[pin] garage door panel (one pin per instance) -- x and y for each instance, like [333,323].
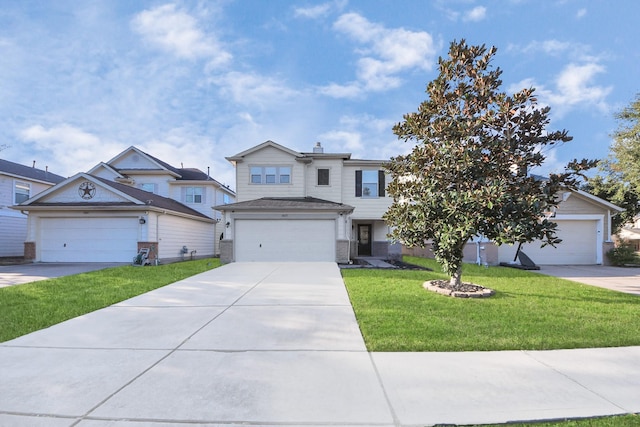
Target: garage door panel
[578,246]
[285,240]
[88,239]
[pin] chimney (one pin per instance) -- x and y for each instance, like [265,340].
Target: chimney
[34,164]
[318,148]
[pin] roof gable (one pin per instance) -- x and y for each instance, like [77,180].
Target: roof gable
[240,156]
[17,170]
[87,191]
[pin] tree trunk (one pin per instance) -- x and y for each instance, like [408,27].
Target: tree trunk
[456,279]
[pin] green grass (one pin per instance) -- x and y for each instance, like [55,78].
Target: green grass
[528,312]
[33,306]
[617,421]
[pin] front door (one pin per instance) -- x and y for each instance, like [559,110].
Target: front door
[364,239]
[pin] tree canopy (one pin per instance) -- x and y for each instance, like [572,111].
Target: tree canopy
[618,179]
[467,174]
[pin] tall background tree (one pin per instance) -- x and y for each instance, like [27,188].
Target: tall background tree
[467,173]
[618,178]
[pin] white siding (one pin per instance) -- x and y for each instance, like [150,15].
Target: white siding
[176,232]
[69,194]
[133,160]
[333,191]
[365,208]
[269,156]
[13,229]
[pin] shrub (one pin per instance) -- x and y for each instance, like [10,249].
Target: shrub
[623,254]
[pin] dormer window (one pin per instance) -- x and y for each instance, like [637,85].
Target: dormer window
[270,175]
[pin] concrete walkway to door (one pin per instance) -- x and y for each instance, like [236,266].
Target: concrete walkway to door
[278,344]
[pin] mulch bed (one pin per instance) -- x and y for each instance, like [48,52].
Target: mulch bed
[467,290]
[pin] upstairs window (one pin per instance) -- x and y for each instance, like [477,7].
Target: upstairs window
[151,188]
[370,183]
[194,195]
[270,175]
[323,176]
[21,192]
[226,199]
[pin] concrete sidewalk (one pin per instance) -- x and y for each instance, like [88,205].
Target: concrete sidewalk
[278,344]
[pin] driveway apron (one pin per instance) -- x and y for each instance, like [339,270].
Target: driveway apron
[243,343]
[278,344]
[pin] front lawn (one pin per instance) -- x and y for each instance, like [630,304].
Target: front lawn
[529,311]
[33,306]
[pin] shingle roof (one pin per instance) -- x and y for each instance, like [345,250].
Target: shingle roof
[29,172]
[147,198]
[286,203]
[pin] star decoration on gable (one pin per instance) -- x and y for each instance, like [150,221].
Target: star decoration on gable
[87,190]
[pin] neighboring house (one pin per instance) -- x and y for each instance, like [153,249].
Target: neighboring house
[584,225]
[631,233]
[17,184]
[311,206]
[131,202]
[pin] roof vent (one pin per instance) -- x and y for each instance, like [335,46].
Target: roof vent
[318,148]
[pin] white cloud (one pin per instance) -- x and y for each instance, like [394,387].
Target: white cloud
[573,88]
[385,54]
[581,13]
[334,90]
[253,89]
[313,12]
[81,149]
[177,32]
[476,14]
[318,11]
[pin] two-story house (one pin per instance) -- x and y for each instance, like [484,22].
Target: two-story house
[305,206]
[17,184]
[119,207]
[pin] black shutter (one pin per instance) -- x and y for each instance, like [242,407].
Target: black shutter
[381,184]
[358,183]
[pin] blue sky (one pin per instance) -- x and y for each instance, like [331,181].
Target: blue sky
[194,81]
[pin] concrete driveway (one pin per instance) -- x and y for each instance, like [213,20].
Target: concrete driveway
[622,279]
[25,273]
[278,344]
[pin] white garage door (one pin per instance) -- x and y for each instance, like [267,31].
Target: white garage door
[285,240]
[88,239]
[579,245]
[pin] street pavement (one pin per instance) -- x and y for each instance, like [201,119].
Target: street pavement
[278,344]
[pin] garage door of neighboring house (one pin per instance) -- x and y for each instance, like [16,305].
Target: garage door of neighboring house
[579,245]
[88,239]
[285,240]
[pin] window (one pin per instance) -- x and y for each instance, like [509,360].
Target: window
[270,175]
[370,183]
[323,176]
[151,188]
[21,191]
[194,195]
[225,198]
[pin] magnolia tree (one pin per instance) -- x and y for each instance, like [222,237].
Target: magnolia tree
[467,173]
[619,178]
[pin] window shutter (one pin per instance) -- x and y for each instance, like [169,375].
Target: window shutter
[358,183]
[381,183]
